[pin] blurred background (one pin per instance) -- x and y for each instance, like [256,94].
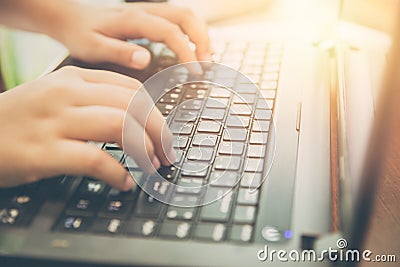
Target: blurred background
[24,56]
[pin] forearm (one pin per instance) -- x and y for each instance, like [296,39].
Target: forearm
[42,16]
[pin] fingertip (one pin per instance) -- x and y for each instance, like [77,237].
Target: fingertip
[141,58]
[129,184]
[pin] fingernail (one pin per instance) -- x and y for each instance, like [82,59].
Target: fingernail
[195,68]
[172,155]
[141,58]
[156,163]
[129,183]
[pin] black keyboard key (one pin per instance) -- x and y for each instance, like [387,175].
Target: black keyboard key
[256,151]
[199,153]
[231,163]
[74,223]
[211,232]
[241,110]
[9,216]
[244,214]
[224,178]
[184,200]
[147,206]
[241,233]
[233,134]
[231,148]
[84,206]
[258,138]
[180,142]
[180,213]
[261,126]
[219,210]
[217,103]
[190,186]
[165,109]
[238,121]
[254,165]
[248,197]
[209,127]
[250,180]
[182,128]
[191,104]
[116,208]
[92,187]
[213,114]
[195,169]
[179,230]
[106,226]
[205,140]
[141,227]
[168,172]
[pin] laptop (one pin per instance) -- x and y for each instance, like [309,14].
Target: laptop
[267,162]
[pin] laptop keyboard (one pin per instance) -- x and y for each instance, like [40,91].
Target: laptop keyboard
[220,138]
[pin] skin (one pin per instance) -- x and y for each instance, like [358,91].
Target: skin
[46,123]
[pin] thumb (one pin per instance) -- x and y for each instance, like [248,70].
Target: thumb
[123,53]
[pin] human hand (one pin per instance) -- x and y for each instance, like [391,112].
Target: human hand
[96,33]
[46,123]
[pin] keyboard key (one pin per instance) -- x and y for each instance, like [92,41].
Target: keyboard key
[268,85]
[167,172]
[225,179]
[210,231]
[260,126]
[258,138]
[141,227]
[244,99]
[92,187]
[194,169]
[205,140]
[247,197]
[263,114]
[265,103]
[217,103]
[106,226]
[202,154]
[157,187]
[234,134]
[268,94]
[256,151]
[130,163]
[248,88]
[184,200]
[179,213]
[74,223]
[219,210]
[231,163]
[180,141]
[165,109]
[238,121]
[250,180]
[189,185]
[244,214]
[147,206]
[112,146]
[270,76]
[241,233]
[179,230]
[182,128]
[191,104]
[84,206]
[213,114]
[116,154]
[9,216]
[241,109]
[115,207]
[209,126]
[231,148]
[253,165]
[220,92]
[186,116]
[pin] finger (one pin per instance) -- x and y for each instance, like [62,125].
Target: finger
[158,29]
[105,124]
[190,24]
[121,52]
[79,158]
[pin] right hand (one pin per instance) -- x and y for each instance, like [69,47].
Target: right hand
[46,123]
